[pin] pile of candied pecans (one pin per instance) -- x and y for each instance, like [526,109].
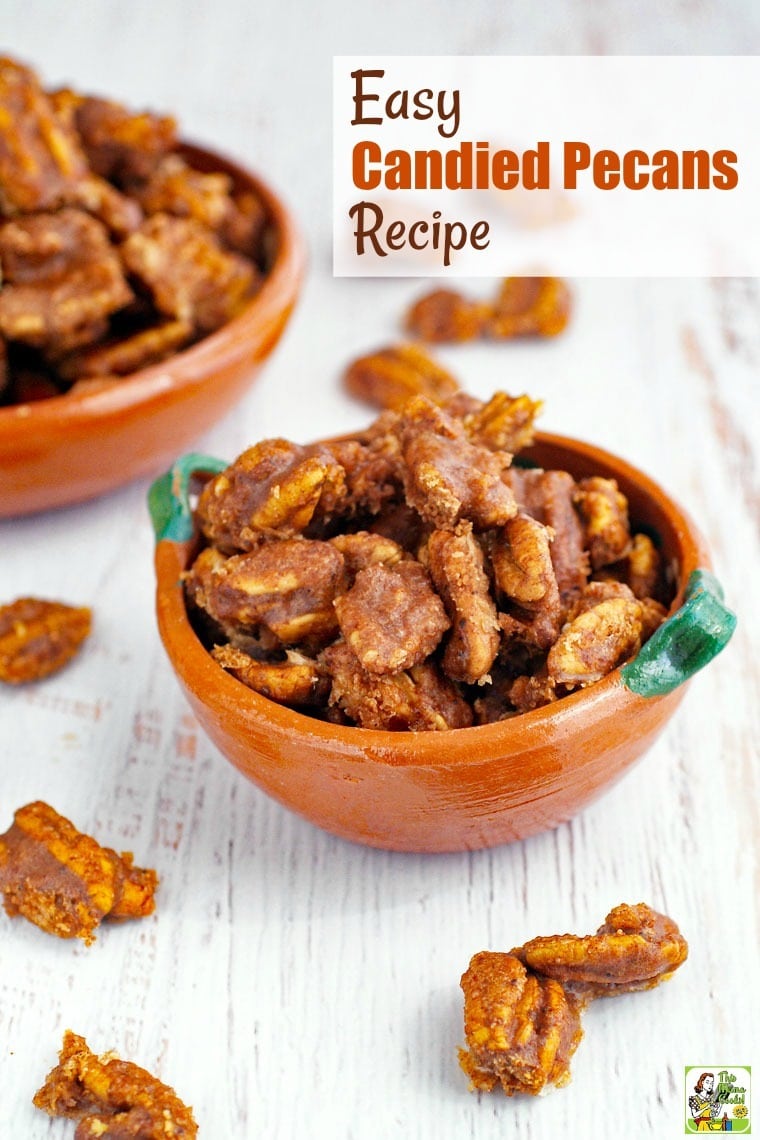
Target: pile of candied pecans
[412,577]
[114,252]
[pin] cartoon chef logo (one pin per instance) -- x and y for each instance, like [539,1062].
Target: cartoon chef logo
[717,1099]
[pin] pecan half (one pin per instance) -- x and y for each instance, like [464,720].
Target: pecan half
[64,881]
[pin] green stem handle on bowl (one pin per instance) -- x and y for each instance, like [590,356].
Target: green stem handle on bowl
[686,642]
[683,644]
[169,497]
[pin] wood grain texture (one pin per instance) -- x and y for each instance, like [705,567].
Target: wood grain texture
[291,983]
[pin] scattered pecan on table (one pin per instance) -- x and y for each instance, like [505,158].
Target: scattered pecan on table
[39,637]
[64,881]
[411,577]
[522,1010]
[524,306]
[111,1099]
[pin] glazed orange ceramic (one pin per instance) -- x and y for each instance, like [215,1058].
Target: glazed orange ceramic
[73,447]
[465,788]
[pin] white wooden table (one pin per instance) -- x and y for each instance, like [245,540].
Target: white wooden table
[292,984]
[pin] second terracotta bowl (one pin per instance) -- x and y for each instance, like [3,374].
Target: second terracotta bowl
[466,788]
[79,445]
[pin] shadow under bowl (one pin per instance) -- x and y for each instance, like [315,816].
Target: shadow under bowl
[474,787]
[74,447]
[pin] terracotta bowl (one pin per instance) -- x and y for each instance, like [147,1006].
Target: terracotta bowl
[76,446]
[465,788]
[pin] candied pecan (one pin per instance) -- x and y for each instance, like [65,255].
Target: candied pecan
[187,272]
[64,881]
[389,377]
[245,225]
[532,691]
[446,477]
[634,949]
[38,637]
[364,477]
[643,568]
[61,279]
[456,565]
[524,576]
[362,549]
[529,306]
[521,560]
[40,157]
[391,617]
[287,586]
[119,214]
[521,1030]
[522,1009]
[272,488]
[175,188]
[445,315]
[596,642]
[120,145]
[549,497]
[604,511]
[298,680]
[112,1099]
[121,356]
[504,423]
[421,699]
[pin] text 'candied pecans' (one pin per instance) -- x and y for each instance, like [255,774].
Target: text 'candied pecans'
[412,578]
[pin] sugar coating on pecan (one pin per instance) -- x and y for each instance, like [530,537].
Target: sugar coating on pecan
[456,564]
[446,477]
[61,277]
[110,1098]
[64,881]
[521,1030]
[390,376]
[522,1009]
[417,700]
[39,637]
[391,617]
[288,587]
[273,488]
[189,275]
[635,948]
[596,642]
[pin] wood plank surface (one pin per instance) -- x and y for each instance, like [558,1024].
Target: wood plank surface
[292,984]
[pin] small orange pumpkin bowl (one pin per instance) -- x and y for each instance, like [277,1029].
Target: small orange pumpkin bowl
[79,445]
[464,788]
